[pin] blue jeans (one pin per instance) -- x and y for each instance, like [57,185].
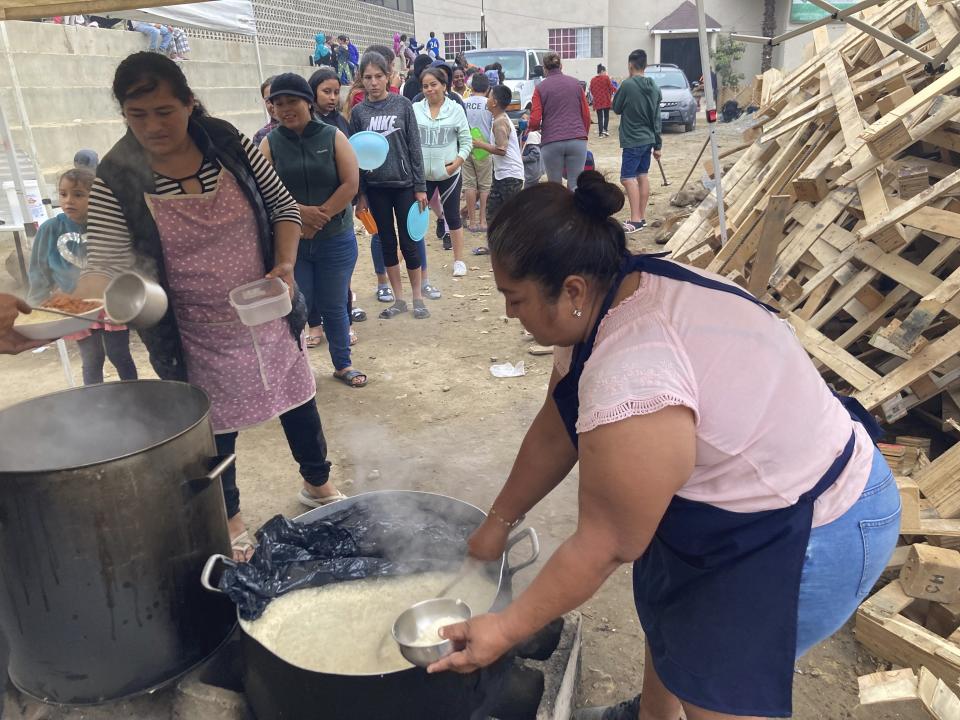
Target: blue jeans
[845,558]
[159,37]
[376,252]
[323,272]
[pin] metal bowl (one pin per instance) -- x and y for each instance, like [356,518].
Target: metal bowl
[418,619]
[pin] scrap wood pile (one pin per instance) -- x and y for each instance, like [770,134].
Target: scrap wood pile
[844,212]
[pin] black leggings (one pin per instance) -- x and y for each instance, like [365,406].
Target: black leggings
[114,344]
[307,443]
[603,119]
[449,197]
[385,204]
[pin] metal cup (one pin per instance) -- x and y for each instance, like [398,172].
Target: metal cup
[131,299]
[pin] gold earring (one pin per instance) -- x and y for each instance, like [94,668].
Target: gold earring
[577,312]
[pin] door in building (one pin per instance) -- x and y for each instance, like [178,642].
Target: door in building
[683,52]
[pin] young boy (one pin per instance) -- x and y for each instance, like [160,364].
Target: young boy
[505,149]
[478,174]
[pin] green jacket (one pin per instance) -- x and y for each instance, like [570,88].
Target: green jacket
[307,166]
[637,102]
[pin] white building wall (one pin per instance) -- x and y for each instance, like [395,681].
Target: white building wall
[627,25]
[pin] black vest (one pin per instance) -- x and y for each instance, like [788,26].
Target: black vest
[126,171]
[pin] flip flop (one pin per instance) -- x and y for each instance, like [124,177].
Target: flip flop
[243,547]
[314,341]
[540,350]
[481,251]
[348,378]
[309,500]
[358,315]
[353,338]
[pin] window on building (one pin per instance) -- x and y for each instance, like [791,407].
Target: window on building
[576,42]
[455,43]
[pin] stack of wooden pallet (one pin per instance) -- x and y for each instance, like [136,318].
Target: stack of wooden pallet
[845,211]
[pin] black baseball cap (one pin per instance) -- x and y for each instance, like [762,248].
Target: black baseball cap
[291,84]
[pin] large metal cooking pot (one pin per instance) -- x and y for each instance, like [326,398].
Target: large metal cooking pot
[110,502]
[278,690]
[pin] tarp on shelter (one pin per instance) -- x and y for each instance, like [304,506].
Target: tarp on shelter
[230,16]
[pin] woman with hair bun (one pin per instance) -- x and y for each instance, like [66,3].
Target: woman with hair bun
[750,499]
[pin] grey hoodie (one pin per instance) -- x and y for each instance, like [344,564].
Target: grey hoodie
[393,117]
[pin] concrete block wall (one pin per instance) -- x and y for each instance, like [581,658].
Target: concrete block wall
[65,74]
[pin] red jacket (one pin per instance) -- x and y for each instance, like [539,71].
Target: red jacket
[601,87]
[560,110]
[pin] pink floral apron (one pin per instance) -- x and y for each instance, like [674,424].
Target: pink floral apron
[209,241]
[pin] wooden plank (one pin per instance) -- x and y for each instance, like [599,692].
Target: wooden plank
[882,629]
[940,482]
[937,698]
[770,238]
[822,348]
[895,690]
[923,362]
[926,312]
[935,220]
[892,124]
[827,213]
[909,506]
[932,573]
[877,227]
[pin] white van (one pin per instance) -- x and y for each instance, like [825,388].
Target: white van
[522,68]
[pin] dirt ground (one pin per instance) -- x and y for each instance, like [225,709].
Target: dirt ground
[434,418]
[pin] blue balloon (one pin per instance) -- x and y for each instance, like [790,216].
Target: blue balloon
[418,221]
[371,149]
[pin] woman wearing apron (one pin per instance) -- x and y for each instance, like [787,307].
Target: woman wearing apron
[187,198]
[752,502]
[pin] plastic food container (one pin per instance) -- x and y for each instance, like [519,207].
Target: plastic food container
[261,301]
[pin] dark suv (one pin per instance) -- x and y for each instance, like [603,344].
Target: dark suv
[677,104]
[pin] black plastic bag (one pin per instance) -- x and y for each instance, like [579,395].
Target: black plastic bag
[360,542]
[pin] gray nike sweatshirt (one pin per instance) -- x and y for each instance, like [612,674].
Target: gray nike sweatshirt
[393,117]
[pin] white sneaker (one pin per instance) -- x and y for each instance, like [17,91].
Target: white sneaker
[459,268]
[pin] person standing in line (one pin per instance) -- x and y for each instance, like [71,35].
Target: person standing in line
[459,85]
[433,46]
[561,113]
[56,260]
[411,88]
[191,197]
[446,142]
[601,90]
[478,173]
[637,102]
[272,122]
[317,165]
[505,152]
[394,187]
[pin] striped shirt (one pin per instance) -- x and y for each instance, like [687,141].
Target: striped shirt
[109,246]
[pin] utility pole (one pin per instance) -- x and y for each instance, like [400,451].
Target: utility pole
[483,26]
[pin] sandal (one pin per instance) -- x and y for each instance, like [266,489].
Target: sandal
[385,294]
[353,337]
[243,547]
[314,341]
[398,308]
[349,376]
[431,292]
[481,251]
[473,228]
[358,315]
[312,501]
[420,311]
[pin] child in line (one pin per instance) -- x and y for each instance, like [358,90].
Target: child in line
[532,161]
[55,263]
[505,150]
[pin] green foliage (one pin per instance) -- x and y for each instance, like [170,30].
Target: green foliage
[727,53]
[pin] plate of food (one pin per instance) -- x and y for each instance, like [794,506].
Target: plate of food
[40,325]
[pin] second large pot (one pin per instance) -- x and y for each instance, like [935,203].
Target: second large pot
[278,690]
[110,502]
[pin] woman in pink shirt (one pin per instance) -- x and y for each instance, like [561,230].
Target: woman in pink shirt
[751,500]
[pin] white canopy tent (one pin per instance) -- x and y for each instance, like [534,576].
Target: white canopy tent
[229,16]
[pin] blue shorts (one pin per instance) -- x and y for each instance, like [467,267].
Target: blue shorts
[846,557]
[635,161]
